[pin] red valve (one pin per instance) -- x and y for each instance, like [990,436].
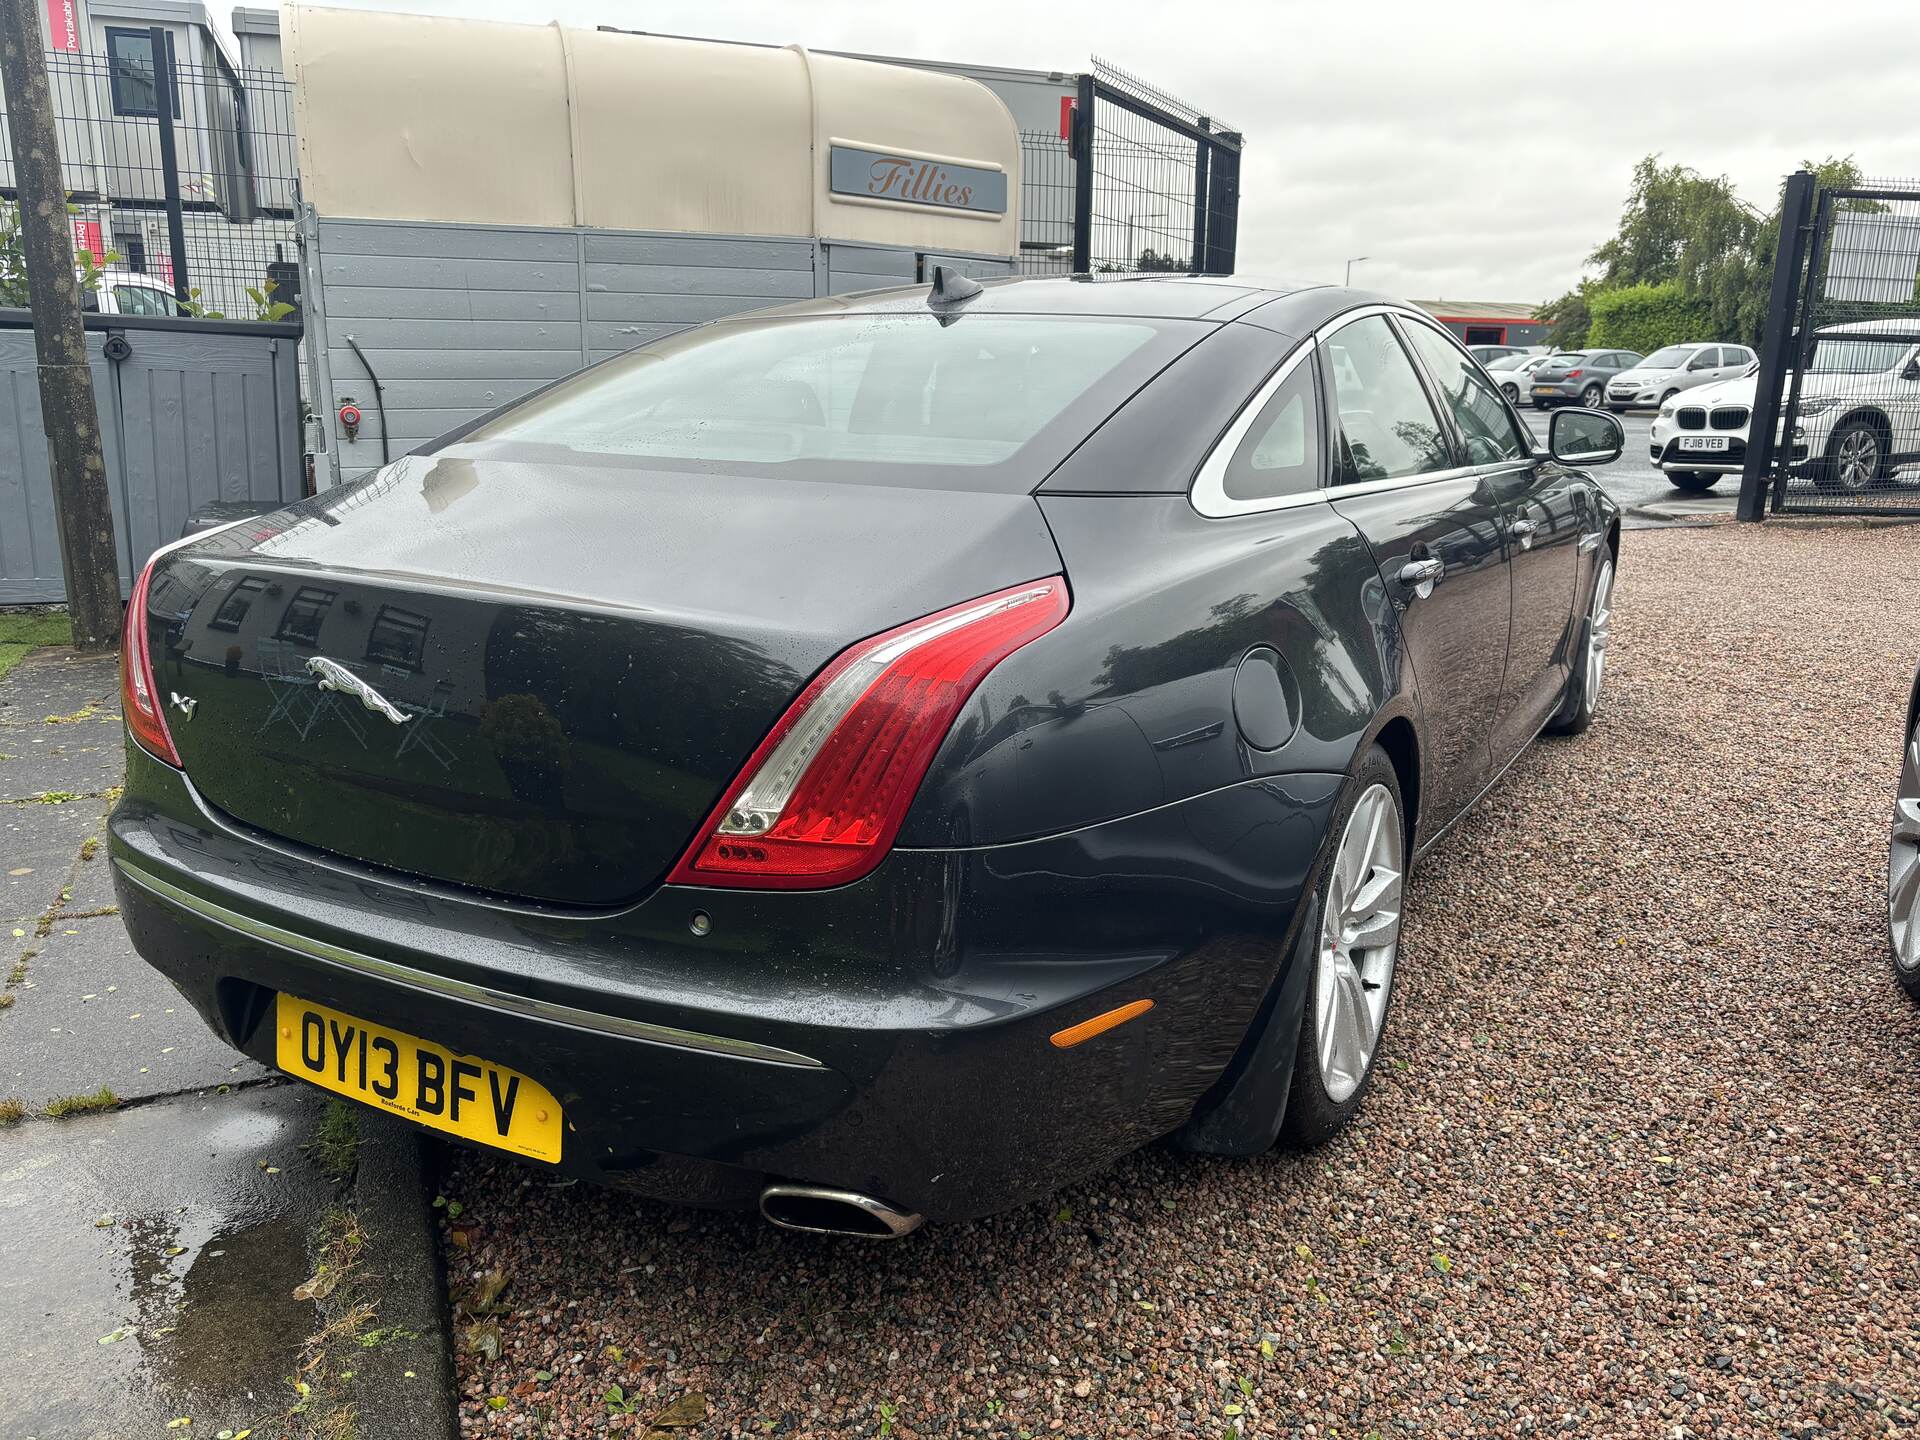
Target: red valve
[350,420]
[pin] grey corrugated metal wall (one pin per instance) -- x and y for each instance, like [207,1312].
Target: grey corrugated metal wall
[197,412]
[457,319]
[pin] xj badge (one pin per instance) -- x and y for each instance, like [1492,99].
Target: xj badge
[332,675]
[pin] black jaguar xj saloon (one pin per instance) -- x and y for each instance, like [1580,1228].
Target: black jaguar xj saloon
[879,759]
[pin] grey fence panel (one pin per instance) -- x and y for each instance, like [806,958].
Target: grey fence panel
[188,417]
[860,267]
[711,250]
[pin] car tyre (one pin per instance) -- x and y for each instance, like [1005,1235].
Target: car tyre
[1694,482]
[1856,458]
[1580,701]
[1593,397]
[1668,396]
[1361,890]
[1903,871]
[1512,392]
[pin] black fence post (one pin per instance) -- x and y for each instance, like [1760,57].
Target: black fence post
[1083,178]
[1223,198]
[1202,150]
[169,159]
[1776,337]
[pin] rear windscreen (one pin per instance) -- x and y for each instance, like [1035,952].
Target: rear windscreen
[843,393]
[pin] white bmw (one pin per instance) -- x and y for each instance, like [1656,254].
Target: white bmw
[1857,425]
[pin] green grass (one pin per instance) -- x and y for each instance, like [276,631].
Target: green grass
[21,632]
[101,1099]
[12,1112]
[336,1142]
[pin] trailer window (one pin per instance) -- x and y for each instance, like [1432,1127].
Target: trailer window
[887,389]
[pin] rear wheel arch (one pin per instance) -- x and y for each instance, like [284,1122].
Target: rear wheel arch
[1402,744]
[1871,414]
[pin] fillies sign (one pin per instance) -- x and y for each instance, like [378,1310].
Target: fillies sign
[913,180]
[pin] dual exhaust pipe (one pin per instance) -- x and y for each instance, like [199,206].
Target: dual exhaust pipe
[820,1210]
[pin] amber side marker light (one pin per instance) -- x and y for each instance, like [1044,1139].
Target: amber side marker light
[1099,1025]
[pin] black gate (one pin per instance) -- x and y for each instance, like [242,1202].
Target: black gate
[1156,183]
[1840,361]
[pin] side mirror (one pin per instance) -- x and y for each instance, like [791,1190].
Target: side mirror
[1585,437]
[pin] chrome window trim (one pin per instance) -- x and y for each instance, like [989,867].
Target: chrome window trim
[1208,494]
[448,988]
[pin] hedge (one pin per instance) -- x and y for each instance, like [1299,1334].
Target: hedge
[1645,317]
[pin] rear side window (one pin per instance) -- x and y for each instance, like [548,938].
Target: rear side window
[1280,454]
[1388,428]
[894,389]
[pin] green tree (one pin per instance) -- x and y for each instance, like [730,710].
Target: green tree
[1676,225]
[1569,317]
[1682,228]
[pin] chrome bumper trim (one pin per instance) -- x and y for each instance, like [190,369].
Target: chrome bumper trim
[462,990]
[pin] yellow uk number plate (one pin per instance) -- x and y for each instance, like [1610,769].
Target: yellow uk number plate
[460,1094]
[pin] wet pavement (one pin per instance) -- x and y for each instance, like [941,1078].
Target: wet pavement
[151,1258]
[148,1254]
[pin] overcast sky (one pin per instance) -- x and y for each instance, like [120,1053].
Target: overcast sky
[1472,150]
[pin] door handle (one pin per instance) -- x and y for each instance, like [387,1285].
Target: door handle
[1420,576]
[1523,531]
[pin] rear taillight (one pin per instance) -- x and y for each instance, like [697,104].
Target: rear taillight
[139,695]
[1575,374]
[821,800]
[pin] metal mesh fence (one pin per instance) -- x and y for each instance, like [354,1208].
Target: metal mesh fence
[1165,180]
[1849,438]
[235,172]
[1046,204]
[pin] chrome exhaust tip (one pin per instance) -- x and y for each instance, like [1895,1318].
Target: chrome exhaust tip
[818,1210]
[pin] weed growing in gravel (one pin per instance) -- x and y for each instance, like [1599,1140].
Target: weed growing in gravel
[12,1111]
[89,847]
[888,1410]
[101,1099]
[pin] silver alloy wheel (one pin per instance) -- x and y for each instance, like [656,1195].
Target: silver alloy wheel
[1594,398]
[1856,464]
[1599,627]
[1903,862]
[1359,940]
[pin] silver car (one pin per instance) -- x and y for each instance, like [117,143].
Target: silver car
[1579,377]
[1668,371]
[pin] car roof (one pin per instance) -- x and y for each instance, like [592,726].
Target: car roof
[1871,327]
[1192,297]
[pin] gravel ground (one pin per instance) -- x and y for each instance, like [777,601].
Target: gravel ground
[1644,1158]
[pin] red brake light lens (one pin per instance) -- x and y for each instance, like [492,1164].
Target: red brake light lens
[139,696]
[1575,374]
[821,799]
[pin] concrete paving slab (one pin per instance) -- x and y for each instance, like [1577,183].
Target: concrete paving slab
[181,1303]
[83,750]
[39,844]
[61,683]
[91,1012]
[90,886]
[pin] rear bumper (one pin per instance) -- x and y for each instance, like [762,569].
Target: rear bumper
[890,1037]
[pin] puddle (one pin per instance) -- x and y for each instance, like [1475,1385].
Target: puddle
[181,1304]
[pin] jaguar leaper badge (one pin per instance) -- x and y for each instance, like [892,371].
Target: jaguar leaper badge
[332,675]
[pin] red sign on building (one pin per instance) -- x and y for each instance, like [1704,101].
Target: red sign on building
[63,26]
[86,236]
